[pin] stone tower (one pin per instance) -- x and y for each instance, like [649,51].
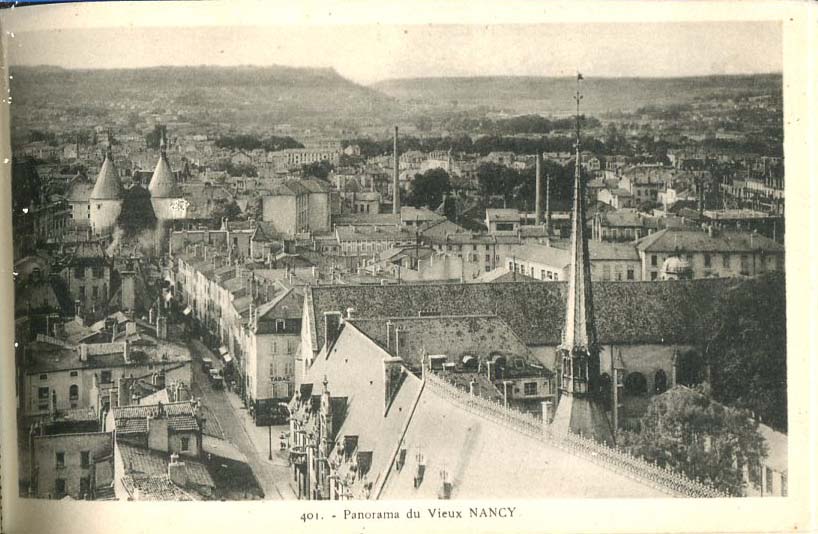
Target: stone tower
[579,410]
[105,202]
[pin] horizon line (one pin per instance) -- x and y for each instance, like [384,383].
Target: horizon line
[384,80]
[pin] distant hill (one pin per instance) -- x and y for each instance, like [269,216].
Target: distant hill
[554,96]
[245,92]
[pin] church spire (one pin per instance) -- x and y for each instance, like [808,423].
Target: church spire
[579,332]
[578,410]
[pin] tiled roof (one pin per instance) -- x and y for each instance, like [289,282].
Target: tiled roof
[626,312]
[141,460]
[134,419]
[155,488]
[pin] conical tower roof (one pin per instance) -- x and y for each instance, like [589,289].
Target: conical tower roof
[163,183]
[107,186]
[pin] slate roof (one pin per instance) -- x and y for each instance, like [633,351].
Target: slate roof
[454,336]
[626,312]
[671,239]
[621,218]
[79,190]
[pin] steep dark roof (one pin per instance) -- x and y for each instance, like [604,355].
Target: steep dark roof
[625,312]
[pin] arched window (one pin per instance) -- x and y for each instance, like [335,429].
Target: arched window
[636,384]
[660,382]
[73,392]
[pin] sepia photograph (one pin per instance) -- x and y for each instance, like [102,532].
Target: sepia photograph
[396,262]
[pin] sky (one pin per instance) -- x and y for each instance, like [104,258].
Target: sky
[367,48]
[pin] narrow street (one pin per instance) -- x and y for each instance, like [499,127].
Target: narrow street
[238,426]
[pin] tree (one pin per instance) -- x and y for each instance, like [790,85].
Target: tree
[686,430]
[318,169]
[428,188]
[494,179]
[224,208]
[153,137]
[26,185]
[747,349]
[137,212]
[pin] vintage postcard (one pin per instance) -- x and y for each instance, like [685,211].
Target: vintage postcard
[366,267]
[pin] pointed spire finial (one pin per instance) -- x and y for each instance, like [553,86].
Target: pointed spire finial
[163,144]
[578,98]
[109,145]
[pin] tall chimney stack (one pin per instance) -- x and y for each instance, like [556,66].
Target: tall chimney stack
[548,205]
[395,172]
[538,189]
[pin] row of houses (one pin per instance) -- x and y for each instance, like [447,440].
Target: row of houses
[252,314]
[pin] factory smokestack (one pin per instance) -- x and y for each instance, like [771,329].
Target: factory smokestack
[538,189]
[548,205]
[395,172]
